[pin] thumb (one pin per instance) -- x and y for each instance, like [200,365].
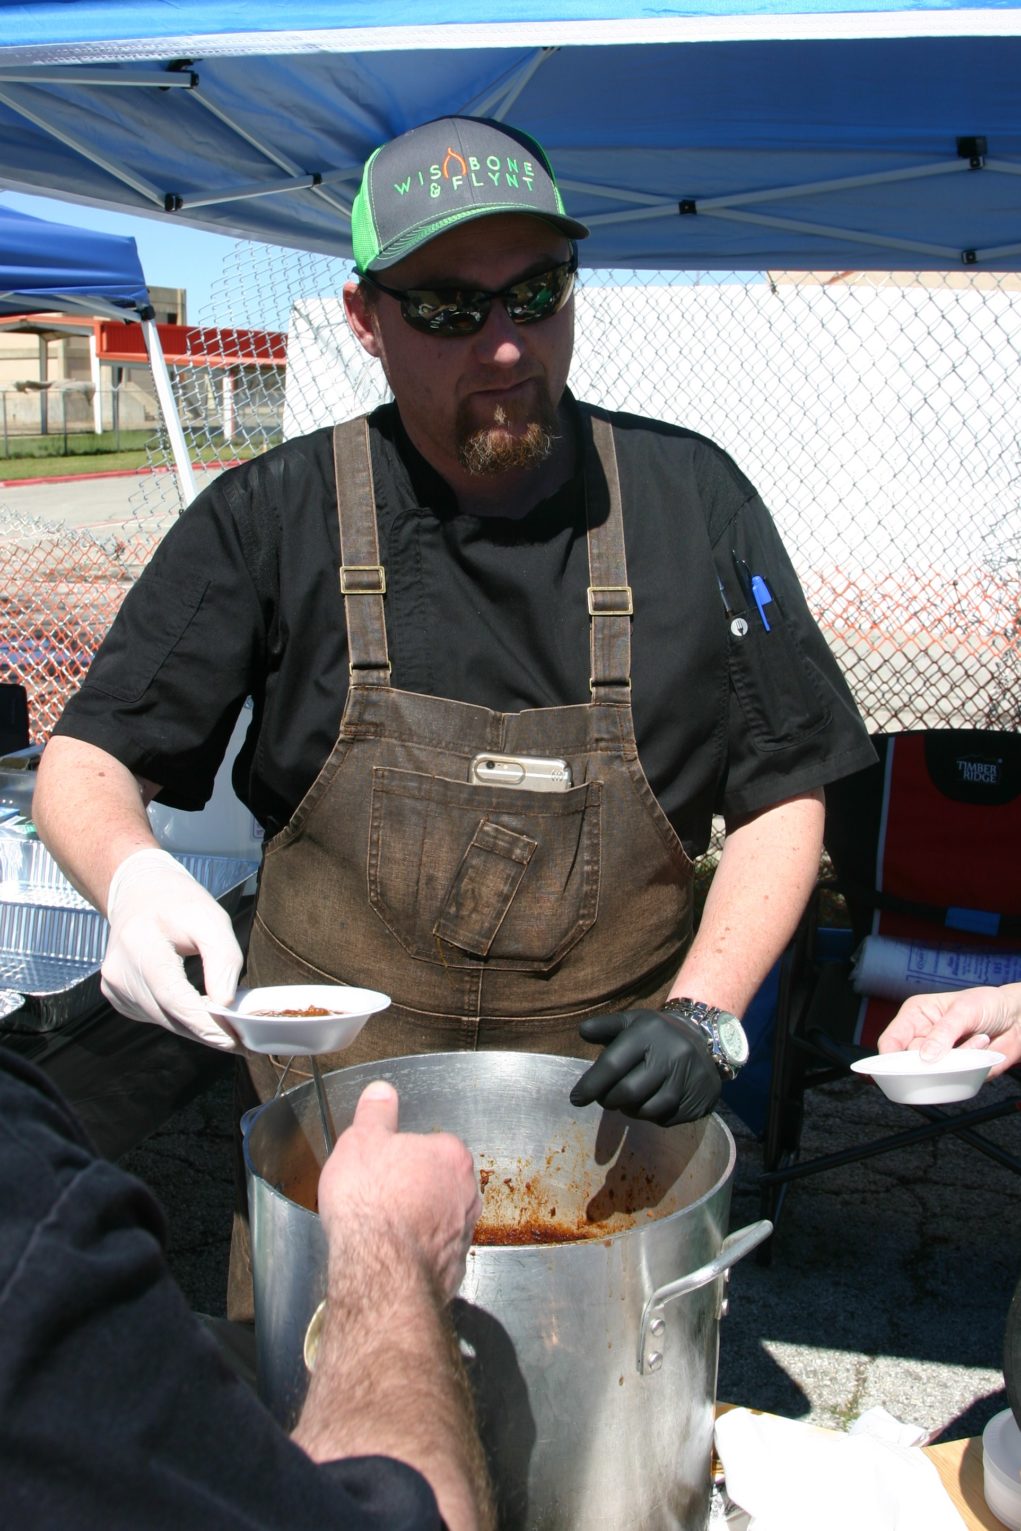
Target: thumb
[936,1045]
[377,1107]
[221,963]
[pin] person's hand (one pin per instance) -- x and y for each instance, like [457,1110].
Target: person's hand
[414,1190]
[934,1023]
[159,915]
[654,1066]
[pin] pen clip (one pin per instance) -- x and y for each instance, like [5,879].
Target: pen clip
[744,575]
[762,598]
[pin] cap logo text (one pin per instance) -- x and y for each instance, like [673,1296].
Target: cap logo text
[495,170]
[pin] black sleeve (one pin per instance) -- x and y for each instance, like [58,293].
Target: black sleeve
[793,724]
[118,1411]
[165,688]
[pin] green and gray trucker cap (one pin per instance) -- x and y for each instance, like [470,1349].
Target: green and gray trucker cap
[444,173]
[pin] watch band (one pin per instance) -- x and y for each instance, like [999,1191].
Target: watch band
[707,1019]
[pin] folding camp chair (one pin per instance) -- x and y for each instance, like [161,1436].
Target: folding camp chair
[13,717]
[925,848]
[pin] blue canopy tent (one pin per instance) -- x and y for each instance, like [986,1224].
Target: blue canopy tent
[721,134]
[46,266]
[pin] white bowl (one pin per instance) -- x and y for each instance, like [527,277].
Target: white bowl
[1001,1468]
[300,1035]
[907,1078]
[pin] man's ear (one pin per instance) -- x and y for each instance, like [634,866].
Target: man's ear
[361,317]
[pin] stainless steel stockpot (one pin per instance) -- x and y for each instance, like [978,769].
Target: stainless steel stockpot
[593,1362]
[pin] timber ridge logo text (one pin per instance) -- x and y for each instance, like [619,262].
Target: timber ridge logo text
[458,170]
[986,772]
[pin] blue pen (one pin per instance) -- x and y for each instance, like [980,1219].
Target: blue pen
[762,598]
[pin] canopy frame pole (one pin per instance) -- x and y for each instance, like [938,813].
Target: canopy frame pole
[707,205]
[164,80]
[839,183]
[825,231]
[273,155]
[145,188]
[500,100]
[175,202]
[165,394]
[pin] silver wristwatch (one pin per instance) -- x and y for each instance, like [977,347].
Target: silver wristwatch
[723,1033]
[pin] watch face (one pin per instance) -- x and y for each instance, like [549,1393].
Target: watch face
[733,1040]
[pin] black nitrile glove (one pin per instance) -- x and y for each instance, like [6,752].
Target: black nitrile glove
[655,1067]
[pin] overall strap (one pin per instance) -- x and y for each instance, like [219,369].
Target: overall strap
[362,576]
[609,595]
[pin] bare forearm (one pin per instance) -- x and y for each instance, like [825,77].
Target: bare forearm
[766,872]
[90,813]
[388,1381]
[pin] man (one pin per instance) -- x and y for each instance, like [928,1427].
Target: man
[510,561]
[118,1410]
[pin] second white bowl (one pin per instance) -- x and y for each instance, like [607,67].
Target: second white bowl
[907,1078]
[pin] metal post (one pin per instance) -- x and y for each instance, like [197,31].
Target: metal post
[44,373]
[115,411]
[63,416]
[96,373]
[3,397]
[165,394]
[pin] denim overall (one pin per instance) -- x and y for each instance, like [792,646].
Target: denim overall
[495,917]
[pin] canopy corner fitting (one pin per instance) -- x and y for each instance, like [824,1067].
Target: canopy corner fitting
[973,147]
[687,207]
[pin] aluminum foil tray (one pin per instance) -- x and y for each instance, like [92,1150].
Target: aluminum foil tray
[9,1002]
[52,940]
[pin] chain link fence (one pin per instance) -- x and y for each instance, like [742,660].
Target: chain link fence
[60,588]
[70,416]
[877,413]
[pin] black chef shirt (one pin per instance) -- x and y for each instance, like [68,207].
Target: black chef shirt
[242,599]
[118,1412]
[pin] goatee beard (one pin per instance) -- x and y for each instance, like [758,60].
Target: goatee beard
[488,449]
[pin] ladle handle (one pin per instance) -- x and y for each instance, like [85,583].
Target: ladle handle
[324,1107]
[734,1247]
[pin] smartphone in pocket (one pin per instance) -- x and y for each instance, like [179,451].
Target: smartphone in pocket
[532,773]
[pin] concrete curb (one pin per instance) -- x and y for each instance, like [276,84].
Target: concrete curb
[75,478]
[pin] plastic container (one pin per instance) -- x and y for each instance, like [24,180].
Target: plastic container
[1001,1468]
[17,781]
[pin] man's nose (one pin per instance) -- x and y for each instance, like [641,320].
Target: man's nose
[500,340]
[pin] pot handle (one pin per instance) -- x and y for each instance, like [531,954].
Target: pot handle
[734,1247]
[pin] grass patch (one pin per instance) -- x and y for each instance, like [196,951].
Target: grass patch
[91,455]
[79,462]
[88,444]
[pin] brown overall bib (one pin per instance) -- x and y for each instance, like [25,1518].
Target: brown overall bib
[494,917]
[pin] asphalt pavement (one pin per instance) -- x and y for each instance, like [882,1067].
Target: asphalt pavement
[102,502]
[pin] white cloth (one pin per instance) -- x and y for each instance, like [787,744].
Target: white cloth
[891,969]
[793,1477]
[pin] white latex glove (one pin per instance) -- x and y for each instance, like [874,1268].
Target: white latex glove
[159,915]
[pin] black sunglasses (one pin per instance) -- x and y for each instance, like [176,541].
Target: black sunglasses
[455,311]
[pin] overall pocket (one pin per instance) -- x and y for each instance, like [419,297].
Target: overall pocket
[459,872]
